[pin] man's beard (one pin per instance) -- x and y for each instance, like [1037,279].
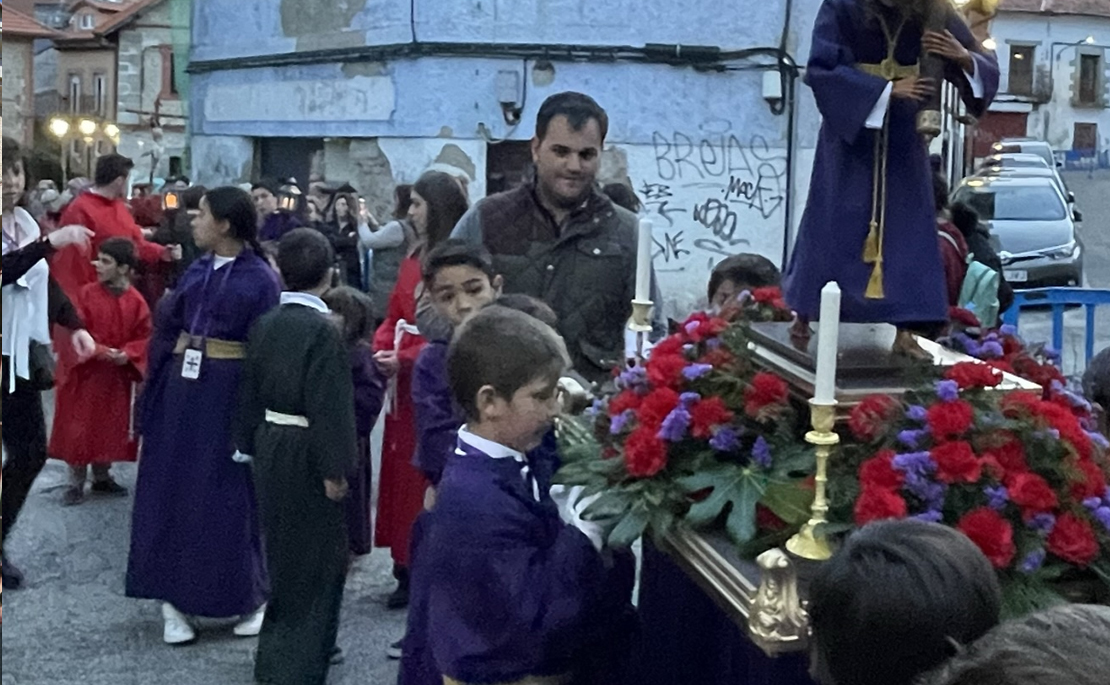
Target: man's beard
[562,201]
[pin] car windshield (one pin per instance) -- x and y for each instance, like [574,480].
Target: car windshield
[1013,203]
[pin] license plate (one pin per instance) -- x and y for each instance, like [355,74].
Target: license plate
[1016,275]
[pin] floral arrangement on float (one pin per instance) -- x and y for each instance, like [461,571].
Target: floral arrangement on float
[697,435]
[701,436]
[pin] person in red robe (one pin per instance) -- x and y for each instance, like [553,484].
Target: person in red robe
[438,203]
[94,424]
[102,210]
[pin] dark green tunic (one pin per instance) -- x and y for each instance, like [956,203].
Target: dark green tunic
[297,365]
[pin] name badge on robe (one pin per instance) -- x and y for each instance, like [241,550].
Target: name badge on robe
[190,366]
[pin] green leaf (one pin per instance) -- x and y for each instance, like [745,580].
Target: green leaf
[790,502]
[795,459]
[610,505]
[740,489]
[741,520]
[631,528]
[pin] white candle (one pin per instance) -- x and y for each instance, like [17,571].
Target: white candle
[828,332]
[643,261]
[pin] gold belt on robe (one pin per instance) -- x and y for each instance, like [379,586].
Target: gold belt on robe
[530,680]
[213,349]
[890,70]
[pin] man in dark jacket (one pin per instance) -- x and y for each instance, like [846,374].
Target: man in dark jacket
[558,238]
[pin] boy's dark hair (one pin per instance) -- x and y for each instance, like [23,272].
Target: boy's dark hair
[110,167]
[455,252]
[1065,645]
[305,258]
[357,310]
[122,250]
[940,192]
[897,600]
[579,109]
[965,218]
[533,307]
[749,270]
[270,184]
[623,196]
[505,349]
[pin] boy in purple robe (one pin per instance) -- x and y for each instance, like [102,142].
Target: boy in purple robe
[869,223]
[517,585]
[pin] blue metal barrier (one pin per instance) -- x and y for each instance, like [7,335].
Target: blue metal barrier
[1059,299]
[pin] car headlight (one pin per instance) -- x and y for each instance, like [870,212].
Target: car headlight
[1061,252]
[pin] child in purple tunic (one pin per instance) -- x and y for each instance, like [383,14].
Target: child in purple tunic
[195,542]
[355,309]
[517,585]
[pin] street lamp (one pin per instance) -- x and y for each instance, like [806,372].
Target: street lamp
[59,127]
[87,127]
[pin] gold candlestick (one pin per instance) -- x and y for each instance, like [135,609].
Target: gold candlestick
[807,544]
[640,324]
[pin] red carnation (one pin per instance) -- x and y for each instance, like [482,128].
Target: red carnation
[629,399]
[870,417]
[671,345]
[1032,493]
[656,406]
[1011,455]
[963,317]
[765,390]
[1073,540]
[1020,404]
[879,472]
[768,295]
[957,463]
[644,454]
[704,327]
[876,504]
[1091,482]
[970,375]
[665,370]
[991,533]
[707,415]
[718,358]
[950,419]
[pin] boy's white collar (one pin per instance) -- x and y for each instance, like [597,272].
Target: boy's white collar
[494,450]
[305,300]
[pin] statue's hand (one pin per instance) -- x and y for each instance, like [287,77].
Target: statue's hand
[913,88]
[945,45]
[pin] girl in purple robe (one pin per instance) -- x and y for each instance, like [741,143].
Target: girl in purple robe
[516,583]
[195,541]
[869,223]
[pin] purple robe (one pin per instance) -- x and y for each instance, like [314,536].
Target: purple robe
[437,417]
[503,589]
[277,225]
[835,225]
[195,532]
[369,397]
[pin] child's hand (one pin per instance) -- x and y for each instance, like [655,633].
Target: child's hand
[336,490]
[430,498]
[388,362]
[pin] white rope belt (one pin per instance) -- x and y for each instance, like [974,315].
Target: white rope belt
[279,419]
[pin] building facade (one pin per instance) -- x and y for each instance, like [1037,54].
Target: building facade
[716,137]
[1055,77]
[20,31]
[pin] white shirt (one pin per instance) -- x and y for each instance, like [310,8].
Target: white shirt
[495,450]
[26,311]
[305,300]
[219,262]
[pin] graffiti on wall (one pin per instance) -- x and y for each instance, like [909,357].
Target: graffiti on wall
[710,195]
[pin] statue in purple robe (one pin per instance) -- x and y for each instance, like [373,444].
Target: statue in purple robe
[870,221]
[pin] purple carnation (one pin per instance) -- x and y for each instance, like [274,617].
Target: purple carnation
[1008,330]
[1103,516]
[675,425]
[997,497]
[692,327]
[919,463]
[713,343]
[726,440]
[917,413]
[948,391]
[633,378]
[1042,523]
[595,408]
[991,350]
[1033,561]
[744,296]
[688,398]
[912,438]
[696,371]
[1099,439]
[761,452]
[1092,503]
[618,422]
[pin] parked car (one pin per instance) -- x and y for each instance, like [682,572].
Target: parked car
[1027,145]
[1015,160]
[1032,227]
[1038,171]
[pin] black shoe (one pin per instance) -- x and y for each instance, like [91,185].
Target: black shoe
[13,577]
[109,488]
[394,652]
[400,597]
[73,496]
[336,658]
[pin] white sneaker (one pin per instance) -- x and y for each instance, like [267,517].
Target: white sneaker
[251,626]
[176,630]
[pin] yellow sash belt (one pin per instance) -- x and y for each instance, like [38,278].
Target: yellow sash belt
[530,680]
[213,349]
